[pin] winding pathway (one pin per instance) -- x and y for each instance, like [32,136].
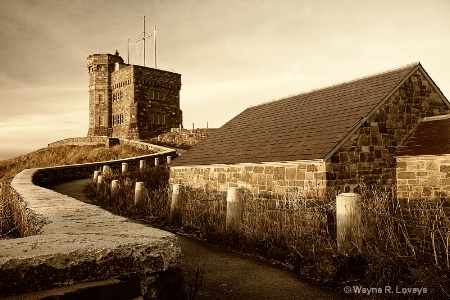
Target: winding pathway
[230,275]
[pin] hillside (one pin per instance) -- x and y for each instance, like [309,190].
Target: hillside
[183,139]
[64,155]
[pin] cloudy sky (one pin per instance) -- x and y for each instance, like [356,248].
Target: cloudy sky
[231,53]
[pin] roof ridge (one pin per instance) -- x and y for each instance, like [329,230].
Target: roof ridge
[414,64]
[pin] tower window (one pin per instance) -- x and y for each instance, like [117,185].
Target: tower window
[100,97]
[101,121]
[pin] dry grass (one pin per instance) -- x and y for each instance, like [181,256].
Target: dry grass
[14,219]
[405,244]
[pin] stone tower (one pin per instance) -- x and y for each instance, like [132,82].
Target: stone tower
[129,101]
[100,67]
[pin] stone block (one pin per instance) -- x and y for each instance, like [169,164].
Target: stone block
[279,173]
[431,166]
[444,168]
[406,175]
[258,169]
[222,178]
[268,169]
[291,173]
[311,168]
[301,175]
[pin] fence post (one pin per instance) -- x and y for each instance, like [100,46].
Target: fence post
[139,194]
[175,207]
[169,159]
[141,164]
[96,173]
[114,186]
[124,169]
[157,162]
[234,209]
[348,223]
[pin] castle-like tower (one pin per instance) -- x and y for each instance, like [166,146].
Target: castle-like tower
[129,101]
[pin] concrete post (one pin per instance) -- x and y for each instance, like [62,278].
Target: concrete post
[234,209]
[175,203]
[124,169]
[141,164]
[139,194]
[169,159]
[96,173]
[114,186]
[106,170]
[157,162]
[348,223]
[99,181]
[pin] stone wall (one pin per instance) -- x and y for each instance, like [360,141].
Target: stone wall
[368,154]
[48,176]
[266,178]
[85,252]
[423,177]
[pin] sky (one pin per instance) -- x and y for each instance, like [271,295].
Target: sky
[231,54]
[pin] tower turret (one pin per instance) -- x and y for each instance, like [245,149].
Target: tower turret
[100,67]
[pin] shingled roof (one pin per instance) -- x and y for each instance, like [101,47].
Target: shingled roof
[431,137]
[307,126]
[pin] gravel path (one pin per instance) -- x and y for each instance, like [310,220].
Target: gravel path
[230,275]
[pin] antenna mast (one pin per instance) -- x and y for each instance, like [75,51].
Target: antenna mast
[154,45]
[144,41]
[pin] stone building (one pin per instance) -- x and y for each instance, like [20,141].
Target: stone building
[323,141]
[130,101]
[423,161]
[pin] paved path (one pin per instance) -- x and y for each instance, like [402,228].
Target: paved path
[230,275]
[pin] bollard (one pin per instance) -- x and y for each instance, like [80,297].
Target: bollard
[96,173]
[157,162]
[169,159]
[139,194]
[141,164]
[99,181]
[348,223]
[234,209]
[175,203]
[106,170]
[114,186]
[124,169]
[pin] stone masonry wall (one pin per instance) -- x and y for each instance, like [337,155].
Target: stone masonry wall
[123,106]
[368,154]
[267,178]
[147,101]
[423,177]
